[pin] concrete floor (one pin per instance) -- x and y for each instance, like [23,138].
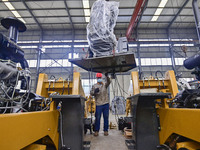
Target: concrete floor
[114,141]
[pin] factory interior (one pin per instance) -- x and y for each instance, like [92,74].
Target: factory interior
[99,75]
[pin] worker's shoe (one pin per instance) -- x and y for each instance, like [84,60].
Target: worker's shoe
[105,133]
[96,133]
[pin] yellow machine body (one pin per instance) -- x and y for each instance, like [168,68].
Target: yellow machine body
[90,106]
[128,107]
[180,121]
[22,130]
[45,87]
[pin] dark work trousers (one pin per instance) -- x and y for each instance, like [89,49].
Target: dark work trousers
[99,110]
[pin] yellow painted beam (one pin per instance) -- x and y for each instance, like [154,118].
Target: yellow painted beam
[76,83]
[184,122]
[40,85]
[135,81]
[170,75]
[191,145]
[35,147]
[22,129]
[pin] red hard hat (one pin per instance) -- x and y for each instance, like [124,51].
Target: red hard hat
[99,75]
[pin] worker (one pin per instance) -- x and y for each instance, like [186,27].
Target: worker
[100,92]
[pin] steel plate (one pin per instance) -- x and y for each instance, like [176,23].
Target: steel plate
[109,64]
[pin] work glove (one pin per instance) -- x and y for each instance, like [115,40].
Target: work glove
[96,90]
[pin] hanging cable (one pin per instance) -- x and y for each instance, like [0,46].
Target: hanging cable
[122,89]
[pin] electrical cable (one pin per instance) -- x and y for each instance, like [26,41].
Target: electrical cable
[122,88]
[15,85]
[63,85]
[116,113]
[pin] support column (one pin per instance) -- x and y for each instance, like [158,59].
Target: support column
[38,60]
[72,54]
[171,52]
[138,54]
[139,59]
[197,17]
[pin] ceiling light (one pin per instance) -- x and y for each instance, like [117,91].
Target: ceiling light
[154,18]
[159,10]
[87,19]
[86,6]
[16,14]
[163,3]
[87,12]
[12,9]
[9,5]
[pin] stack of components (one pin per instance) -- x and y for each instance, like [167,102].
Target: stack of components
[101,38]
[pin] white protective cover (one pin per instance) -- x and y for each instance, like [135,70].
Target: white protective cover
[100,30]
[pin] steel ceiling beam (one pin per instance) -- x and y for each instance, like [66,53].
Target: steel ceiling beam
[78,16]
[23,1]
[139,9]
[177,14]
[132,42]
[117,29]
[80,8]
[171,52]
[197,17]
[85,23]
[39,53]
[68,13]
[73,37]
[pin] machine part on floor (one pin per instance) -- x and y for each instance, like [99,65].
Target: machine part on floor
[86,145]
[107,64]
[73,127]
[124,122]
[112,125]
[130,144]
[88,125]
[100,30]
[174,125]
[118,105]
